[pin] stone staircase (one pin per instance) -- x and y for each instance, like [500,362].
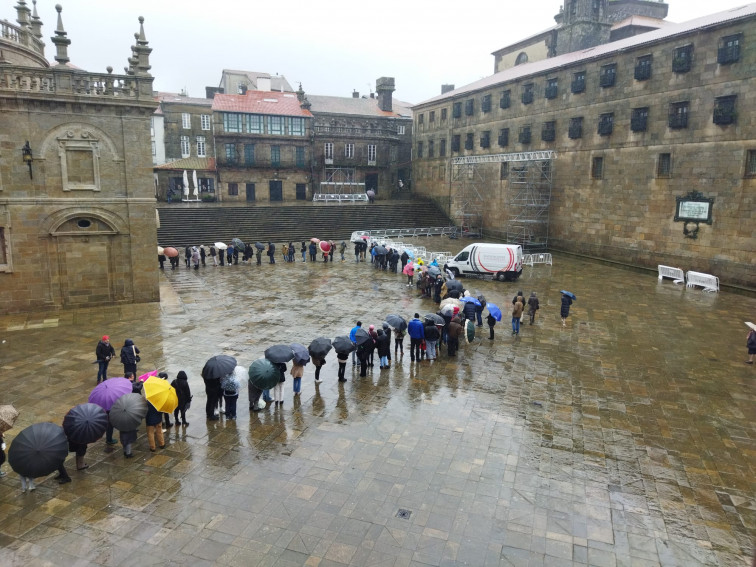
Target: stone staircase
[206,223]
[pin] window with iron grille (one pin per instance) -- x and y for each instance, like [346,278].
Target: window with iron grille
[443,114]
[504,137]
[275,156]
[505,99]
[485,139]
[469,107]
[608,75]
[750,165]
[419,149]
[233,189]
[525,135]
[639,119]
[576,128]
[421,118]
[528,91]
[606,124]
[729,49]
[682,60]
[469,142]
[432,116]
[578,82]
[678,115]
[552,88]
[431,148]
[664,165]
[724,110]
[185,147]
[504,170]
[442,147]
[643,68]
[249,154]
[457,110]
[597,167]
[455,142]
[299,156]
[548,131]
[485,104]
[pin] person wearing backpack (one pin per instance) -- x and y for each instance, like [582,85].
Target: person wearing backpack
[184,395]
[104,353]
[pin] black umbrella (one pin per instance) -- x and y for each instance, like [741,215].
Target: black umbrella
[362,336]
[85,423]
[263,374]
[279,353]
[301,354]
[435,271]
[320,347]
[435,319]
[381,251]
[218,366]
[343,345]
[128,412]
[397,322]
[238,244]
[454,285]
[38,450]
[259,245]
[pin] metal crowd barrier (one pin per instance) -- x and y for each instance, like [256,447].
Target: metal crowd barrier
[532,259]
[340,197]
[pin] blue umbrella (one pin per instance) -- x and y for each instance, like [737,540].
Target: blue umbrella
[569,294]
[469,299]
[410,253]
[494,311]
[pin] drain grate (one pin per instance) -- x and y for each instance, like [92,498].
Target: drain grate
[404,514]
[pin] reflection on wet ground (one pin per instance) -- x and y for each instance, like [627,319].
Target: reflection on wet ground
[625,438]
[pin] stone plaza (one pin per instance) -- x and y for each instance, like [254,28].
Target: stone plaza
[624,438]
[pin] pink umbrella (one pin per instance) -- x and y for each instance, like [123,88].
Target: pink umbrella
[324,246]
[171,252]
[144,377]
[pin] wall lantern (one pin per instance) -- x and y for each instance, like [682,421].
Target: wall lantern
[26,154]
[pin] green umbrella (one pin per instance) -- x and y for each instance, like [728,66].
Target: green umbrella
[263,374]
[469,331]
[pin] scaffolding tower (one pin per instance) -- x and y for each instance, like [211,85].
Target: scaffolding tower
[529,176]
[466,208]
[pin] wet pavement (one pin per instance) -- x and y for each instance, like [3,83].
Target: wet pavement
[624,438]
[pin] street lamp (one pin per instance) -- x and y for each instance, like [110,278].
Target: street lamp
[26,154]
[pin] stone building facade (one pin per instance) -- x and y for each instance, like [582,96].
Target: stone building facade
[640,127]
[263,148]
[582,24]
[361,143]
[77,211]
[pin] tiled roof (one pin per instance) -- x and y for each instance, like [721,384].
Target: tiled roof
[356,106]
[181,99]
[260,102]
[198,163]
[528,69]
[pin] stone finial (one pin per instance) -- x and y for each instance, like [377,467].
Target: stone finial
[305,104]
[60,40]
[300,93]
[36,23]
[22,11]
[142,51]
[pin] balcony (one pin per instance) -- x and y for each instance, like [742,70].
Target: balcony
[347,132]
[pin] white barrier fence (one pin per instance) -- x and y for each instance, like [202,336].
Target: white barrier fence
[707,281]
[676,274]
[532,259]
[340,197]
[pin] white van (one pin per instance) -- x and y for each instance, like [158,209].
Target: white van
[501,261]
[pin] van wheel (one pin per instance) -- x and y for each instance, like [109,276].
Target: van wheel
[455,271]
[501,276]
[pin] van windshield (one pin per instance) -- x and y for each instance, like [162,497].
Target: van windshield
[462,256]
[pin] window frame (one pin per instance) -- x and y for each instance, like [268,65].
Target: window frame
[300,158]
[275,155]
[728,54]
[548,131]
[249,154]
[608,75]
[577,85]
[470,107]
[679,114]
[643,67]
[639,119]
[505,100]
[725,111]
[328,151]
[442,147]
[682,58]
[372,151]
[528,93]
[201,146]
[252,121]
[232,122]
[349,150]
[276,125]
[575,129]
[606,124]
[525,136]
[229,151]
[205,121]
[552,88]
[186,147]
[597,167]
[664,165]
[469,141]
[233,189]
[485,104]
[456,143]
[457,110]
[750,163]
[485,139]
[186,121]
[503,138]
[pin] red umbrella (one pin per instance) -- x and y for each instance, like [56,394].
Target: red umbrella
[324,246]
[170,252]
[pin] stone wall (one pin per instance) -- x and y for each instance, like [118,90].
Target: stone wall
[627,213]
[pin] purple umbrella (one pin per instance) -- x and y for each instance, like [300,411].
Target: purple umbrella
[106,393]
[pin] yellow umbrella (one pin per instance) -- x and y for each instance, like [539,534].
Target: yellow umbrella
[160,394]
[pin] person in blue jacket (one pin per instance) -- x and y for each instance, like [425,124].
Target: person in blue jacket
[353,338]
[416,331]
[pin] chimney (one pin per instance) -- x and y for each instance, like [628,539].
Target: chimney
[355,94]
[263,83]
[384,88]
[210,92]
[446,88]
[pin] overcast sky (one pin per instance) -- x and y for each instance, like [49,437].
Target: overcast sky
[332,47]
